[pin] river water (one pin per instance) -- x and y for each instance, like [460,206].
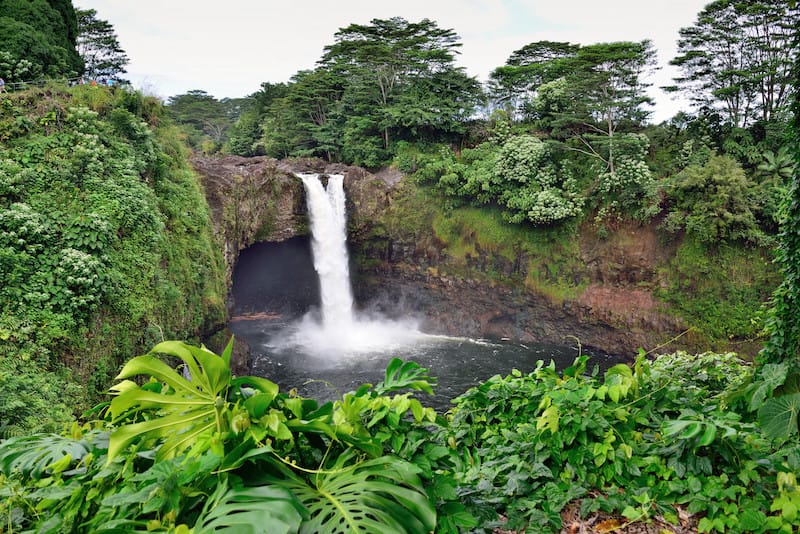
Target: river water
[275,286]
[296,311]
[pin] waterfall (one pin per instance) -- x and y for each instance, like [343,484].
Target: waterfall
[337,331]
[326,209]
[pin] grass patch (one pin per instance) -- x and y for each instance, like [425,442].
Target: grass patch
[720,290]
[546,259]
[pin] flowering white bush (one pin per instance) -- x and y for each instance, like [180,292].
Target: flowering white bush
[631,187]
[78,284]
[532,189]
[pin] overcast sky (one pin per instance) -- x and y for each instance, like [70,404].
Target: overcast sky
[228,48]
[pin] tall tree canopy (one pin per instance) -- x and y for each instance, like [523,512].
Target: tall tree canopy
[737,58]
[203,117]
[245,138]
[378,83]
[606,88]
[401,76]
[102,55]
[38,38]
[514,84]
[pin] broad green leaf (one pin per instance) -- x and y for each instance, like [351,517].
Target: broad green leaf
[182,428]
[381,495]
[183,413]
[32,456]
[549,419]
[258,404]
[682,428]
[205,367]
[253,510]
[405,375]
[770,376]
[752,520]
[708,435]
[778,416]
[226,353]
[261,384]
[152,366]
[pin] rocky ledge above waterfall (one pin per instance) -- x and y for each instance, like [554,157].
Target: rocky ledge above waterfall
[260,199]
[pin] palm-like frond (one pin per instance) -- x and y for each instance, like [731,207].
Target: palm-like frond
[186,410]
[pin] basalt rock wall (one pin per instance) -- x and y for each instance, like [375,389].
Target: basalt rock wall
[614,311]
[261,200]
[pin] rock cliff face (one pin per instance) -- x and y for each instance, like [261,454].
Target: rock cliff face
[260,200]
[613,314]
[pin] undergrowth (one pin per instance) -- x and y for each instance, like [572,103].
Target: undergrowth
[194,449]
[105,244]
[720,290]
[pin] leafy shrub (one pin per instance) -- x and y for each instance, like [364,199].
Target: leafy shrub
[639,442]
[631,187]
[100,220]
[714,203]
[530,186]
[518,176]
[719,289]
[211,451]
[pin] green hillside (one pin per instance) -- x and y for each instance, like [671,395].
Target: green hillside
[105,246]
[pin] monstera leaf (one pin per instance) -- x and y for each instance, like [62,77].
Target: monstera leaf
[32,456]
[243,510]
[380,495]
[181,410]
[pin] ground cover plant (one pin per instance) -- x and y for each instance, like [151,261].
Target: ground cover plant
[194,449]
[204,451]
[658,439]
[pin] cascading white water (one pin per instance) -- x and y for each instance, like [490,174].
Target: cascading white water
[338,331]
[326,208]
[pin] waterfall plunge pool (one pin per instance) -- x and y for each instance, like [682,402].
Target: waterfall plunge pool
[457,363]
[275,289]
[296,311]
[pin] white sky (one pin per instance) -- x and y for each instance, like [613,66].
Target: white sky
[227,48]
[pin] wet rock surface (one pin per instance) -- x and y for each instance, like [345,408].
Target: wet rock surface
[260,199]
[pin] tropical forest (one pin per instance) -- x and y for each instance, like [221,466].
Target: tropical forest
[386,296]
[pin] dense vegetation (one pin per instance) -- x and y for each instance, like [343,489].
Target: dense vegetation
[38,38]
[567,146]
[665,440]
[106,248]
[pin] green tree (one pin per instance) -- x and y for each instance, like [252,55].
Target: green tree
[594,109]
[102,55]
[737,58]
[714,202]
[201,116]
[303,122]
[784,323]
[245,137]
[38,37]
[400,80]
[514,84]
